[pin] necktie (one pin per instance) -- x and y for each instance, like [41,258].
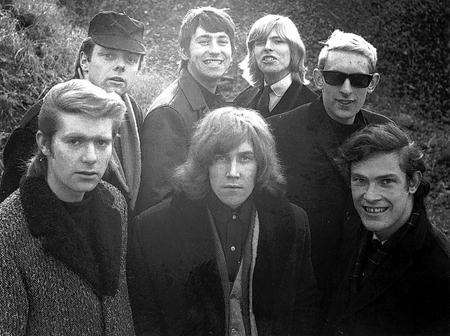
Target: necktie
[263,102]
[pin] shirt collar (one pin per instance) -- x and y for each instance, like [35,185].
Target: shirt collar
[223,213]
[280,87]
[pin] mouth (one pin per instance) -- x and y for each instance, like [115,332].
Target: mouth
[117,79]
[232,186]
[268,59]
[87,173]
[374,210]
[213,62]
[345,101]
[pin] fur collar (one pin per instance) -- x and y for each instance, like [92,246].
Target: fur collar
[97,260]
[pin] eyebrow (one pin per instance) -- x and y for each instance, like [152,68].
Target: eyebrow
[377,177]
[85,138]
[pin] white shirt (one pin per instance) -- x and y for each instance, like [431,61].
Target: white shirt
[278,90]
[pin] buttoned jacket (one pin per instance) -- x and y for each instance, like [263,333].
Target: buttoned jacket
[165,137]
[174,281]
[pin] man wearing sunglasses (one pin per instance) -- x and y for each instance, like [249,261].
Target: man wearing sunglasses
[308,138]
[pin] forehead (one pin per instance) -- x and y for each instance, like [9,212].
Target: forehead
[346,61]
[201,32]
[82,125]
[379,165]
[98,49]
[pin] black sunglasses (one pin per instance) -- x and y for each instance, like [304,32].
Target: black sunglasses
[337,78]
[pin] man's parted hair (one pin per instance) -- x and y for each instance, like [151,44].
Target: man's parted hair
[384,139]
[219,132]
[211,19]
[287,30]
[76,97]
[340,41]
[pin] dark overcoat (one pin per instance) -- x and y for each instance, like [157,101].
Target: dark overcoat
[406,294]
[296,95]
[174,282]
[307,146]
[165,137]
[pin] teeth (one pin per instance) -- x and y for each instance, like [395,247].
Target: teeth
[216,62]
[268,59]
[374,209]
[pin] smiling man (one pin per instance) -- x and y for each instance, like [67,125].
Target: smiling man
[206,41]
[110,58]
[228,254]
[308,137]
[275,67]
[397,278]
[63,232]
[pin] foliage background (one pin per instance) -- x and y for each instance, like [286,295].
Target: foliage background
[39,41]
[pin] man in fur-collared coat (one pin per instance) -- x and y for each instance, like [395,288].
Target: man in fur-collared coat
[63,233]
[228,254]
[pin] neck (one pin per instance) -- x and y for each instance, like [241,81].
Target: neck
[209,83]
[272,78]
[63,193]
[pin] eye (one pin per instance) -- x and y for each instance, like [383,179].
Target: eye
[260,43]
[102,143]
[223,41]
[278,41]
[109,56]
[386,182]
[247,157]
[220,158]
[132,59]
[74,141]
[357,180]
[203,42]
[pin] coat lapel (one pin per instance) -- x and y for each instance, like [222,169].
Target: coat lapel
[193,94]
[288,100]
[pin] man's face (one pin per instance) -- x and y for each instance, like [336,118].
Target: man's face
[111,69]
[273,57]
[78,155]
[232,175]
[209,55]
[343,102]
[381,194]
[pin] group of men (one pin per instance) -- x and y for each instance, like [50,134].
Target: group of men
[285,212]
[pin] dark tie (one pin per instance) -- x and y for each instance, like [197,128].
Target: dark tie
[263,102]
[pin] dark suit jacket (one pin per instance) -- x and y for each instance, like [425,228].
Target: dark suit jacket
[21,147]
[174,282]
[296,95]
[307,146]
[406,294]
[165,137]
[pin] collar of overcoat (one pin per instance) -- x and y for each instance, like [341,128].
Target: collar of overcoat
[192,92]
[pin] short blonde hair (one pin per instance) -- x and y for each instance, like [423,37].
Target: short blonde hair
[350,42]
[287,30]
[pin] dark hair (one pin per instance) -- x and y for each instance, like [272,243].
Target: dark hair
[76,96]
[211,19]
[219,132]
[386,138]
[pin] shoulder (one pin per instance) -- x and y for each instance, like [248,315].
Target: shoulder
[167,98]
[293,119]
[118,200]
[244,98]
[375,118]
[13,224]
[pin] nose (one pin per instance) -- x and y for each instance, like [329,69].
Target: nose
[120,65]
[214,47]
[346,87]
[233,170]
[371,194]
[90,154]
[268,44]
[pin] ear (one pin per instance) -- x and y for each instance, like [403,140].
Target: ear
[414,182]
[84,63]
[373,84]
[43,143]
[183,54]
[319,81]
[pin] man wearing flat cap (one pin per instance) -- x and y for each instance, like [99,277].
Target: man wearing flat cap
[110,58]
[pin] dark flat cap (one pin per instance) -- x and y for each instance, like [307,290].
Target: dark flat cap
[117,31]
